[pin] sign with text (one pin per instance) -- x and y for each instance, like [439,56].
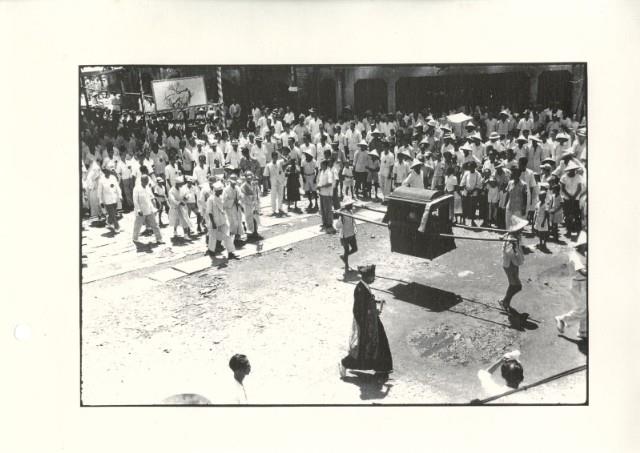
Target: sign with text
[173,94]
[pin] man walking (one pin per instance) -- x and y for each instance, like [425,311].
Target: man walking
[144,210]
[325,186]
[109,194]
[275,173]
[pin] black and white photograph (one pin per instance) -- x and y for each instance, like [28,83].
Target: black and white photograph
[333,234]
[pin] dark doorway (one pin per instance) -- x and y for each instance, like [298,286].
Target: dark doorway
[554,89]
[327,98]
[370,94]
[453,92]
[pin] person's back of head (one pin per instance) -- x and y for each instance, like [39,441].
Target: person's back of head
[512,372]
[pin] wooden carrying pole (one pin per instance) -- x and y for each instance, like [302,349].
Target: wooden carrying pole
[364,219]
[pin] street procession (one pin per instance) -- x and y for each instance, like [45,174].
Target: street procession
[334,234]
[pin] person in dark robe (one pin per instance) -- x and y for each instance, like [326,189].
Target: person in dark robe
[368,345]
[293,185]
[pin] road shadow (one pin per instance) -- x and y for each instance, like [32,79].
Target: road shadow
[351,275]
[439,300]
[544,249]
[180,241]
[109,234]
[582,343]
[98,223]
[145,247]
[433,299]
[521,321]
[371,386]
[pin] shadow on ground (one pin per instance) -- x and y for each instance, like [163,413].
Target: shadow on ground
[371,386]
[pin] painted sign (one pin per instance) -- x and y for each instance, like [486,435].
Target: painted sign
[173,94]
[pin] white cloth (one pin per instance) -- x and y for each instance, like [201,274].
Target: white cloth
[109,190]
[143,200]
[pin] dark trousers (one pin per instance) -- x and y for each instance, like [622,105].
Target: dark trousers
[361,180]
[326,210]
[112,218]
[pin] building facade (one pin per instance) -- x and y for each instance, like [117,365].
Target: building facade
[385,88]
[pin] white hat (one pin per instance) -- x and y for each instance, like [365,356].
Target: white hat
[424,141]
[445,128]
[535,138]
[494,136]
[416,163]
[465,147]
[517,224]
[373,152]
[582,132]
[470,124]
[476,136]
[562,136]
[376,131]
[572,166]
[432,123]
[363,143]
[521,138]
[218,186]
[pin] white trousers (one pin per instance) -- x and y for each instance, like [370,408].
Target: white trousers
[385,183]
[277,192]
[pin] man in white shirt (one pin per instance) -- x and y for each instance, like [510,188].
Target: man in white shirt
[109,194]
[360,160]
[231,200]
[234,155]
[201,172]
[477,148]
[300,129]
[215,158]
[313,122]
[275,173]
[296,153]
[386,168]
[326,180]
[471,184]
[159,158]
[171,172]
[308,147]
[401,168]
[289,117]
[127,170]
[353,138]
[144,210]
[309,170]
[218,223]
[259,153]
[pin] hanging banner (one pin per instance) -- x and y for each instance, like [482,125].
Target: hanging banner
[175,94]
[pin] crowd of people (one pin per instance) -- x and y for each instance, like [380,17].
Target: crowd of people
[206,171]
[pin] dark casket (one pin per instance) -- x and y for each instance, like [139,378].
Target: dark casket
[416,217]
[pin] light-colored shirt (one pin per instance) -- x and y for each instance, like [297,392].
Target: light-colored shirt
[347,226]
[414,180]
[143,200]
[274,172]
[201,174]
[326,177]
[109,190]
